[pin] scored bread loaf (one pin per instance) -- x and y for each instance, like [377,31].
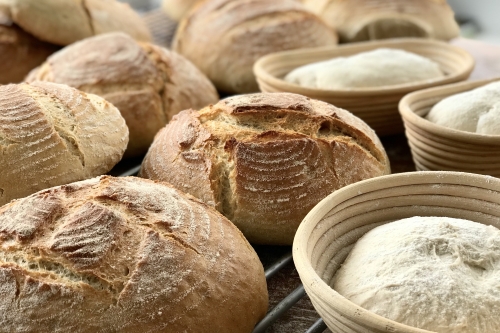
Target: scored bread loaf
[264,160]
[147,83]
[51,134]
[359,20]
[125,255]
[30,30]
[224,38]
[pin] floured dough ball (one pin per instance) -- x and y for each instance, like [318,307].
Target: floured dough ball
[476,111]
[435,273]
[125,255]
[380,67]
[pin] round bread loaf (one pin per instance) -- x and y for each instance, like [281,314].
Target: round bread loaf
[30,30]
[264,160]
[51,134]
[147,83]
[224,38]
[359,20]
[435,273]
[476,111]
[125,255]
[380,67]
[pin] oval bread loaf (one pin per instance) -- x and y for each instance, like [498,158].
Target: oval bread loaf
[147,83]
[51,134]
[360,20]
[264,160]
[125,255]
[224,38]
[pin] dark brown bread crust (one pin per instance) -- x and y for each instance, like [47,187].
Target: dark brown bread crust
[264,160]
[125,255]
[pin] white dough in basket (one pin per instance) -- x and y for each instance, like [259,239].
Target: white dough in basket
[476,111]
[380,67]
[436,273]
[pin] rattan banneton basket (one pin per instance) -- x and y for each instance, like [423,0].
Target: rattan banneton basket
[435,147]
[376,106]
[329,231]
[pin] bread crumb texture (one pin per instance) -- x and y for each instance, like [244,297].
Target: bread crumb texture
[125,255]
[264,160]
[435,273]
[51,134]
[476,111]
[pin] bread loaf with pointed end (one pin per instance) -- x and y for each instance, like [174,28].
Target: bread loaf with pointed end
[360,20]
[264,160]
[125,255]
[224,38]
[51,134]
[147,83]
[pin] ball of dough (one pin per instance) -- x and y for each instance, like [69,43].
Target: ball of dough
[476,111]
[435,273]
[380,67]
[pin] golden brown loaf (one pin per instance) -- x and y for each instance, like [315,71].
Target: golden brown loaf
[51,134]
[264,160]
[147,83]
[31,29]
[125,255]
[359,20]
[224,38]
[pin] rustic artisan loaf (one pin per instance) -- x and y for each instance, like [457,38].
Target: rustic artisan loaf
[476,111]
[147,83]
[435,273]
[264,160]
[224,38]
[359,20]
[380,67]
[30,30]
[125,255]
[51,134]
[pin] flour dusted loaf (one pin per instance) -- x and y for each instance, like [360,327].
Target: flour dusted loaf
[264,160]
[360,20]
[51,134]
[476,111]
[224,38]
[380,67]
[125,255]
[30,30]
[147,83]
[435,273]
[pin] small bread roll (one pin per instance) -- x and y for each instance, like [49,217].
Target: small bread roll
[125,255]
[380,67]
[360,20]
[476,111]
[147,83]
[439,274]
[224,38]
[265,160]
[51,134]
[30,30]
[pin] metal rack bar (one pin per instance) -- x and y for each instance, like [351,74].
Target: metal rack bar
[279,264]
[318,327]
[132,172]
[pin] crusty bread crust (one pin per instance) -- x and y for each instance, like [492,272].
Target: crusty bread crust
[63,22]
[224,38]
[359,20]
[51,134]
[264,160]
[147,83]
[125,255]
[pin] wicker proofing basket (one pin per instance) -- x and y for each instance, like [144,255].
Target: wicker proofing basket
[378,107]
[435,147]
[329,231]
